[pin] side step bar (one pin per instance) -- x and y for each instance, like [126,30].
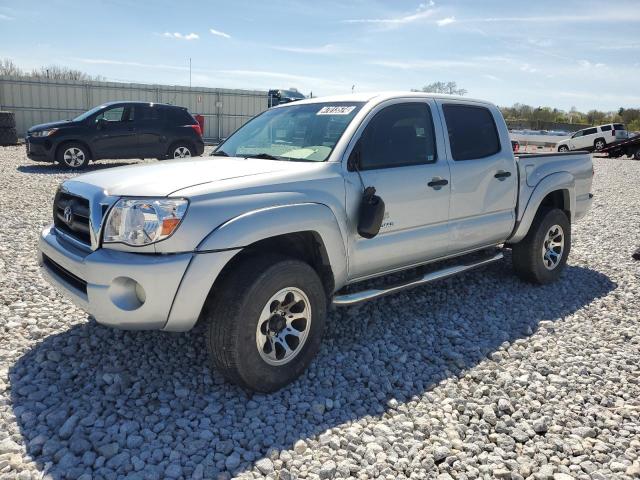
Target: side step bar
[365,295]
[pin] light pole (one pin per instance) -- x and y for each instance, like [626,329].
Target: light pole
[189,72]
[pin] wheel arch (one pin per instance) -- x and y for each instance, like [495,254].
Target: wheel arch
[307,232]
[556,190]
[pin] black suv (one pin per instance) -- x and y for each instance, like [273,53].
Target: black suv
[117,130]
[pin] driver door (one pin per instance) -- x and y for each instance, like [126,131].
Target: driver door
[402,156]
[116,135]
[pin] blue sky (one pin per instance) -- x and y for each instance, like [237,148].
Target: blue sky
[583,53]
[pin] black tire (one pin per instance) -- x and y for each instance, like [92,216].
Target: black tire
[232,314]
[599,144]
[527,255]
[636,154]
[8,136]
[7,120]
[73,155]
[563,148]
[180,147]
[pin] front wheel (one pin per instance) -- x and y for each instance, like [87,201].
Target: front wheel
[563,149]
[265,322]
[541,256]
[636,155]
[73,155]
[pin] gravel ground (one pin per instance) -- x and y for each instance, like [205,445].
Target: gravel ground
[479,376]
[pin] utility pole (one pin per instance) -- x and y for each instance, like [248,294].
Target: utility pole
[189,72]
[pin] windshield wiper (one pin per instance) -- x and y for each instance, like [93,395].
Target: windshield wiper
[219,153]
[264,156]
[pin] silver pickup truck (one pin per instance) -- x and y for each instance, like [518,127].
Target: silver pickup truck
[296,210]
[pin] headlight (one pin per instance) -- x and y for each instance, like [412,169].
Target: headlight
[44,133]
[142,221]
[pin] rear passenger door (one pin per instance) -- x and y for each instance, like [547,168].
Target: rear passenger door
[483,177]
[152,140]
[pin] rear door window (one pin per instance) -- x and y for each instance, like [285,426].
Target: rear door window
[605,128]
[472,131]
[148,113]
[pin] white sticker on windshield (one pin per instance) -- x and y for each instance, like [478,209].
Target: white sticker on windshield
[337,110]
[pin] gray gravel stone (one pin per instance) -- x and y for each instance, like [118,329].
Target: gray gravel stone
[479,376]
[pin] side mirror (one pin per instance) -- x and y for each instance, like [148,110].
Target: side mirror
[371,213]
[101,123]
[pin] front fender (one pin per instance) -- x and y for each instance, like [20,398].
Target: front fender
[264,223]
[563,181]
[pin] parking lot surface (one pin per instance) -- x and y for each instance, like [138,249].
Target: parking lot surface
[478,376]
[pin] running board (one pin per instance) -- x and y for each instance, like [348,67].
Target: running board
[365,295]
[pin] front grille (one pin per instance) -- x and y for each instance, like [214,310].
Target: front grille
[65,274]
[75,222]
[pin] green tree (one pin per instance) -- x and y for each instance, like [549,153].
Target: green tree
[450,88]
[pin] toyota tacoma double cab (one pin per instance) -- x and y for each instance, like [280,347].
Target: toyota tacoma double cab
[296,210]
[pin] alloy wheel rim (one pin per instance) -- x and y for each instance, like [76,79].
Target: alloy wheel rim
[553,247]
[599,145]
[283,326]
[181,152]
[73,157]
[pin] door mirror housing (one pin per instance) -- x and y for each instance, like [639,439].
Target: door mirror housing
[371,214]
[101,123]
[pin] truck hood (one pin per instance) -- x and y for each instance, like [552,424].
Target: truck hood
[163,178]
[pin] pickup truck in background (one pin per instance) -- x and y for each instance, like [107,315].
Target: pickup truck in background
[300,206]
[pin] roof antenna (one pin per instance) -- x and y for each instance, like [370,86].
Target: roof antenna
[352,87]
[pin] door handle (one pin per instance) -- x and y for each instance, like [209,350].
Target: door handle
[501,175]
[437,182]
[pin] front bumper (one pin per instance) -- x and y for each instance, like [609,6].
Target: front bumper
[132,291]
[40,149]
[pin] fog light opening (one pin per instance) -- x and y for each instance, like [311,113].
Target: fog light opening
[126,293]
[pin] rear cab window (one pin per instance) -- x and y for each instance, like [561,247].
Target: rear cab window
[472,131]
[619,126]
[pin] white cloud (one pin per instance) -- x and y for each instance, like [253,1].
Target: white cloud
[423,12]
[425,64]
[324,49]
[588,64]
[180,36]
[5,17]
[600,16]
[492,77]
[446,21]
[219,33]
[525,67]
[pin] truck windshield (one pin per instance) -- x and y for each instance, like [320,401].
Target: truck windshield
[297,132]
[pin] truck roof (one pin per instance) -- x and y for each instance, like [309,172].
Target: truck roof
[384,95]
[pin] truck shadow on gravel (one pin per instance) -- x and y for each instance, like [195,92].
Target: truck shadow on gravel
[103,402]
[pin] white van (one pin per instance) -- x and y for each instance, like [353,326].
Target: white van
[594,138]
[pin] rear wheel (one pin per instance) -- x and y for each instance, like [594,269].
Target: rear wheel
[599,144]
[636,155]
[181,150]
[563,148]
[265,323]
[541,256]
[73,155]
